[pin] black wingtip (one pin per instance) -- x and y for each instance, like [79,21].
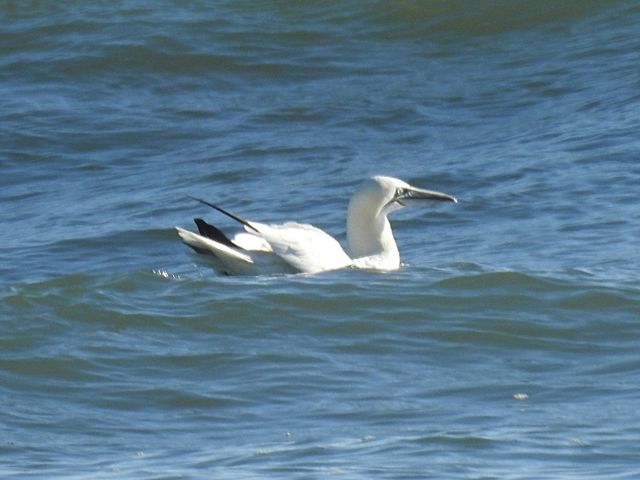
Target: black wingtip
[209,231]
[225,212]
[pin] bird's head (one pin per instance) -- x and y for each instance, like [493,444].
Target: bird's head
[382,195]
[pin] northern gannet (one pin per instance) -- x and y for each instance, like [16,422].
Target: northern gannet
[300,248]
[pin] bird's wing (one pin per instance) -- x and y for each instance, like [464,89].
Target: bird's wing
[203,244]
[234,261]
[304,247]
[251,242]
[290,246]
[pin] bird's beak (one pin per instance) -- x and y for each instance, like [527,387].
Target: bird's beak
[413,195]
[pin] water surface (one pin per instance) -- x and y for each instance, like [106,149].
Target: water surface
[506,346]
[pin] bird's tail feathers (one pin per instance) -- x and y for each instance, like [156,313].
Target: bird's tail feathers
[238,219]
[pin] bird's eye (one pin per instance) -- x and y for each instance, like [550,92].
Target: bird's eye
[401,192]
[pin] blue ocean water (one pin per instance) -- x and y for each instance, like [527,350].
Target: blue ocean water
[506,346]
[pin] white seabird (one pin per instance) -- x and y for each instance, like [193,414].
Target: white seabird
[300,248]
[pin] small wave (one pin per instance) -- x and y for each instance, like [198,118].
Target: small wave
[502,281]
[357,312]
[469,17]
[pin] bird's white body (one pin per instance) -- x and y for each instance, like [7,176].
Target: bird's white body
[300,248]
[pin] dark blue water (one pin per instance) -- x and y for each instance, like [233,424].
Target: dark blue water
[506,346]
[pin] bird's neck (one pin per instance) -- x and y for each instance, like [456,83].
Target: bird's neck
[369,235]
